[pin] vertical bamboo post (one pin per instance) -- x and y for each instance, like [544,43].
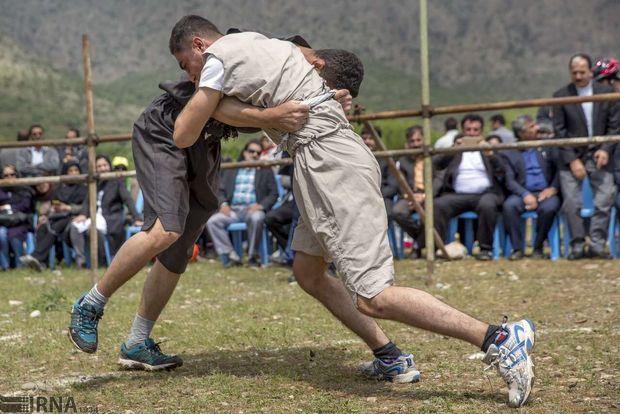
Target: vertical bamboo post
[429,224]
[90,141]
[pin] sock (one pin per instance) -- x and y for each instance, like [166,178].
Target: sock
[387,351]
[95,298]
[495,334]
[140,331]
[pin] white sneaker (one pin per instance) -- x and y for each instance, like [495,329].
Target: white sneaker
[512,359]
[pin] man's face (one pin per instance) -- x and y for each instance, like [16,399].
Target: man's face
[73,170]
[36,134]
[102,166]
[369,141]
[252,152]
[71,135]
[580,72]
[529,132]
[192,58]
[472,128]
[415,140]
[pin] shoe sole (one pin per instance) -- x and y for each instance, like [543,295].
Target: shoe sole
[408,377]
[136,365]
[88,351]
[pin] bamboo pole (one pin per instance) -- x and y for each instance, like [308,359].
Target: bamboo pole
[429,224]
[454,109]
[90,140]
[406,189]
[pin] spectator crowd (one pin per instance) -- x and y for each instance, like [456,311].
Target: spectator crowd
[497,188]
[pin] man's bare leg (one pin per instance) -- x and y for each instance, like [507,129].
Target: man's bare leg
[310,272]
[158,288]
[422,310]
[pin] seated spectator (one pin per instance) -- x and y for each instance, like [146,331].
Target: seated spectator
[607,72]
[447,140]
[112,197]
[498,123]
[246,194]
[389,186]
[593,161]
[77,153]
[473,181]
[412,168]
[120,163]
[533,184]
[494,139]
[55,218]
[37,160]
[15,217]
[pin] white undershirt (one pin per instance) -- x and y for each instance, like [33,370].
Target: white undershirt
[587,106]
[472,175]
[212,75]
[37,156]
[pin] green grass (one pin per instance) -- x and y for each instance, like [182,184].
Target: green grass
[252,343]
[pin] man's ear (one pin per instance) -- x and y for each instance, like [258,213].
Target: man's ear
[198,44]
[318,63]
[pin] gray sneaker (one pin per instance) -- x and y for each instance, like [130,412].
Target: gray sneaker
[512,359]
[399,370]
[32,263]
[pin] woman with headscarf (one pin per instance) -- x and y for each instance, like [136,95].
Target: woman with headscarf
[15,218]
[54,224]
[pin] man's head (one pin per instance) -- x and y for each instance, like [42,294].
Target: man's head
[9,171]
[251,151]
[22,135]
[120,163]
[494,139]
[524,128]
[607,71]
[72,133]
[450,124]
[580,67]
[415,137]
[190,38]
[472,125]
[368,138]
[35,132]
[498,121]
[102,164]
[341,69]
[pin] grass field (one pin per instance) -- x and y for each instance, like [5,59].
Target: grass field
[252,343]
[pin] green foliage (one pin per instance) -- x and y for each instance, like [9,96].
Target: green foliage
[50,300]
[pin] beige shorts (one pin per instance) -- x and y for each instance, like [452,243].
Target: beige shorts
[337,188]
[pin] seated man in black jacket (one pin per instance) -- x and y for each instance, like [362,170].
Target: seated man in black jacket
[245,195]
[533,183]
[472,182]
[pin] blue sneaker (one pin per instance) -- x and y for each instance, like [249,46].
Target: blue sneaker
[147,356]
[83,327]
[511,357]
[399,370]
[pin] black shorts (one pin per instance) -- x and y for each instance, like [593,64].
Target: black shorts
[179,185]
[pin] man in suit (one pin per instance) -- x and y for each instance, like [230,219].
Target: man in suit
[593,161]
[246,194]
[533,185]
[472,182]
[37,160]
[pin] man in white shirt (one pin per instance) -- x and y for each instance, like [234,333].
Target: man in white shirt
[37,160]
[447,140]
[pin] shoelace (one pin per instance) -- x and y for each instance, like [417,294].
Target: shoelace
[88,319]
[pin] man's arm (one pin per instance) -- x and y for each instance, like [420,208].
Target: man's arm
[288,117]
[194,116]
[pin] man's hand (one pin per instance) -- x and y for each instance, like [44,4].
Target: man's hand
[546,193]
[79,218]
[138,223]
[254,208]
[289,117]
[530,202]
[602,158]
[345,99]
[42,220]
[226,210]
[578,170]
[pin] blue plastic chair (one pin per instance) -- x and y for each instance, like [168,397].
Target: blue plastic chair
[131,230]
[237,229]
[468,238]
[553,236]
[614,230]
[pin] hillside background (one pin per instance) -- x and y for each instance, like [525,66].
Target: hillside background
[481,50]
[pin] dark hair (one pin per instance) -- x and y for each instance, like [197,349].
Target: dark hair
[77,131]
[412,130]
[497,137]
[583,56]
[22,135]
[245,148]
[450,123]
[498,118]
[105,157]
[188,26]
[342,70]
[69,164]
[33,126]
[472,118]
[367,130]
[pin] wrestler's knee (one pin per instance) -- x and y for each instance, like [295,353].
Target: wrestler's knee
[308,270]
[161,239]
[373,307]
